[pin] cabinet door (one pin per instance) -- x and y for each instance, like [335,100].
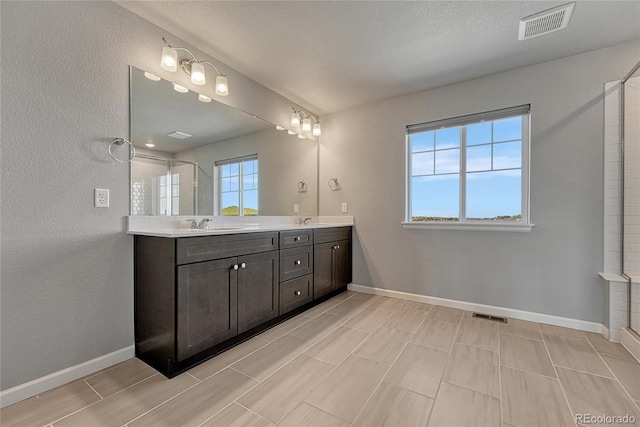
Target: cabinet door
[207,303]
[323,269]
[342,266]
[258,289]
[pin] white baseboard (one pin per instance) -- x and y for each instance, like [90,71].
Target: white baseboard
[566,322]
[56,379]
[631,342]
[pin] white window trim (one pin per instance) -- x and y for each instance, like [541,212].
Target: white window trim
[523,226]
[217,172]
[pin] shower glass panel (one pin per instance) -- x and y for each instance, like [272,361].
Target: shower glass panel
[631,193]
[162,186]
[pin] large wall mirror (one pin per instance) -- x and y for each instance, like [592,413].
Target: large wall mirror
[206,158]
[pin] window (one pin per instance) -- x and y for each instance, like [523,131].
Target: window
[169,194]
[238,186]
[470,171]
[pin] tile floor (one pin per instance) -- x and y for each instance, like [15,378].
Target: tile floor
[364,360]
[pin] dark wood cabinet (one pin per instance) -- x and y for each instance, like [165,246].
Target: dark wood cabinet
[332,260]
[258,289]
[207,309]
[197,296]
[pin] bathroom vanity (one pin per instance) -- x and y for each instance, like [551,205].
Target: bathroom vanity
[198,294]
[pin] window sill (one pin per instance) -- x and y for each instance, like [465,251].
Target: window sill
[523,228]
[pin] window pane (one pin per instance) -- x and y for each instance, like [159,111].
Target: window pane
[250,202]
[494,195]
[448,161]
[250,182]
[247,167]
[507,155]
[234,169]
[234,183]
[448,138]
[435,198]
[422,141]
[225,170]
[422,163]
[507,129]
[230,204]
[225,184]
[479,158]
[479,133]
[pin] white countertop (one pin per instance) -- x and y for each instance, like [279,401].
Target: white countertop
[162,230]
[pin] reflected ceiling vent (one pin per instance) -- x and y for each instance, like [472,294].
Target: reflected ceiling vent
[545,22]
[179,135]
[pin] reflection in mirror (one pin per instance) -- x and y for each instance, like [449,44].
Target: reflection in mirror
[207,158]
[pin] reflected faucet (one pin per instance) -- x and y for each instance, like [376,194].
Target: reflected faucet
[193,224]
[303,221]
[203,223]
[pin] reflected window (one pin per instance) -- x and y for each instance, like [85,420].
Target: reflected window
[238,186]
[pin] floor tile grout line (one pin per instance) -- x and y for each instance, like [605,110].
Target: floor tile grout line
[562,387]
[253,412]
[94,390]
[235,361]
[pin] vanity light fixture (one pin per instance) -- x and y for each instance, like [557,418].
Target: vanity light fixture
[193,67]
[278,127]
[203,98]
[150,145]
[299,117]
[302,137]
[151,76]
[179,88]
[290,132]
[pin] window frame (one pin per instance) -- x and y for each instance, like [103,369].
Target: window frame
[464,223]
[217,173]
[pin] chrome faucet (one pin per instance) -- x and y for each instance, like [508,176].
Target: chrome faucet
[193,224]
[203,223]
[303,221]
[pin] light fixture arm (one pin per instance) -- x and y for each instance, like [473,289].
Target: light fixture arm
[185,64]
[305,115]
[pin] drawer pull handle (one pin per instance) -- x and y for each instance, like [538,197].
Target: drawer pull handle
[235,267]
[243,265]
[298,293]
[298,262]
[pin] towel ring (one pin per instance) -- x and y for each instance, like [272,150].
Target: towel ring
[120,141]
[333,184]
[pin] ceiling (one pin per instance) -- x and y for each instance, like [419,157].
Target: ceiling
[328,56]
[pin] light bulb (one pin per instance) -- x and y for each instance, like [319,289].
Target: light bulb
[290,132]
[222,85]
[302,137]
[295,119]
[197,74]
[306,124]
[150,145]
[151,76]
[203,98]
[278,127]
[316,129]
[169,59]
[179,88]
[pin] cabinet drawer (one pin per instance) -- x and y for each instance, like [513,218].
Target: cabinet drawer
[324,235]
[204,248]
[293,239]
[295,293]
[296,262]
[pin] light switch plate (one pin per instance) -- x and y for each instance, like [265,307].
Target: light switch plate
[296,208]
[345,208]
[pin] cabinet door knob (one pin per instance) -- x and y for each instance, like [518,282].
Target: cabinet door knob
[298,262]
[243,265]
[338,247]
[295,239]
[235,267]
[335,247]
[298,293]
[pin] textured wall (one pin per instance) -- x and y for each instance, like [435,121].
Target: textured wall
[552,270]
[67,267]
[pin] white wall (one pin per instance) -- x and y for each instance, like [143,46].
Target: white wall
[551,270]
[67,267]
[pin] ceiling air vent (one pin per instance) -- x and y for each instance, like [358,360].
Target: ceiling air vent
[179,135]
[545,22]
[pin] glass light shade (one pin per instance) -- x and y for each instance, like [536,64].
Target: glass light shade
[222,86]
[179,88]
[197,74]
[316,129]
[278,127]
[306,124]
[295,119]
[150,145]
[302,137]
[203,98]
[151,76]
[290,132]
[169,59]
